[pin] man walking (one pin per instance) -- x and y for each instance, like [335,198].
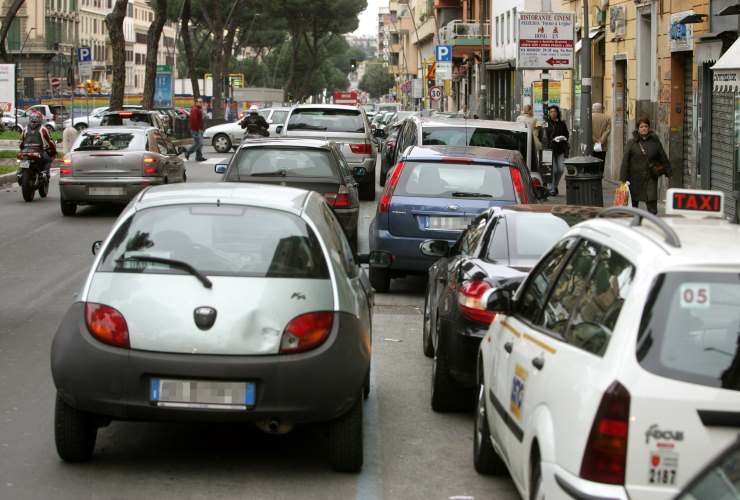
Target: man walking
[196,129]
[601,126]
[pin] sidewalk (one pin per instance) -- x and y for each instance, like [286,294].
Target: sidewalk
[608,187]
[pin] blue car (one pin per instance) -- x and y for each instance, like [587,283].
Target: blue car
[434,192]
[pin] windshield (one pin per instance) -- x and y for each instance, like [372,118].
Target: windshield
[127,120]
[224,240]
[109,141]
[327,120]
[472,136]
[690,329]
[295,162]
[448,180]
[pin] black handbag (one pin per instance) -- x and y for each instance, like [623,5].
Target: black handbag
[656,169]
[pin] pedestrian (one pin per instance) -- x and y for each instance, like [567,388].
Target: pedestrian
[527,117]
[601,124]
[209,112]
[555,137]
[68,138]
[232,113]
[643,163]
[196,129]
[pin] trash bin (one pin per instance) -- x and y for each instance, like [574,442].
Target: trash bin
[583,176]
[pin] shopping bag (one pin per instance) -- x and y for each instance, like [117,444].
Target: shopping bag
[622,195]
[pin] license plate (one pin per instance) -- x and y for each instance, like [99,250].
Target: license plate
[448,223]
[202,394]
[25,164]
[105,191]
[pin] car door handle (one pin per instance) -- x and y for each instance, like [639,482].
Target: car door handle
[538,362]
[508,347]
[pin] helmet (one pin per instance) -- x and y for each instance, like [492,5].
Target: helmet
[253,108]
[35,119]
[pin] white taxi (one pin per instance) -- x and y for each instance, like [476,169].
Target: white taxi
[614,370]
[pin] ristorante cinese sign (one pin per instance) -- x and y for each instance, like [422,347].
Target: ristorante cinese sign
[546,40]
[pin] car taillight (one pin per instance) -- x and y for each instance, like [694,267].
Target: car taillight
[306,331]
[340,199]
[516,179]
[361,149]
[66,168]
[471,304]
[605,456]
[106,324]
[150,165]
[385,200]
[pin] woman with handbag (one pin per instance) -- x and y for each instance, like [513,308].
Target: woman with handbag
[643,163]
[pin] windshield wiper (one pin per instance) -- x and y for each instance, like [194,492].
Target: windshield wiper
[276,173]
[464,194]
[169,262]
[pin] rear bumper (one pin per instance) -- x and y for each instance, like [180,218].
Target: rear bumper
[77,189]
[314,386]
[462,339]
[406,254]
[558,483]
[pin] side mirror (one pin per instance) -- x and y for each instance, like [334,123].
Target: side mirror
[279,129]
[376,258]
[498,300]
[435,248]
[221,168]
[96,247]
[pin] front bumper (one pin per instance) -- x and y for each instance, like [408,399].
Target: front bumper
[314,386]
[76,189]
[557,483]
[406,254]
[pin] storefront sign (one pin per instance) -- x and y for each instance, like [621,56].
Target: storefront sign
[546,40]
[553,97]
[681,35]
[7,88]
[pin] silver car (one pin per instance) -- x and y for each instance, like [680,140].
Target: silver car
[226,136]
[218,302]
[345,125]
[112,164]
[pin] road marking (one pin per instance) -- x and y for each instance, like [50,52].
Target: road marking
[370,480]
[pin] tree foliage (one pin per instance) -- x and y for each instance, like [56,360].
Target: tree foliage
[376,81]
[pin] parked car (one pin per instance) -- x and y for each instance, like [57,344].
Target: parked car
[497,250]
[226,136]
[311,164]
[112,164]
[612,372]
[133,118]
[93,118]
[267,320]
[435,192]
[345,125]
[417,131]
[15,121]
[53,114]
[718,480]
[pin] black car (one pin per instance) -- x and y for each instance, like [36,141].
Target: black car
[388,149]
[498,249]
[311,164]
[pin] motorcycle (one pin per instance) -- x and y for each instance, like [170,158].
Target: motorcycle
[31,174]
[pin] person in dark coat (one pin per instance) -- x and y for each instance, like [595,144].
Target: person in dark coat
[555,137]
[643,163]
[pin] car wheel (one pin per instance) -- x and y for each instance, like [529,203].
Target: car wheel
[74,432]
[221,143]
[485,459]
[354,242]
[380,279]
[27,189]
[345,440]
[80,127]
[367,191]
[383,174]
[366,387]
[535,485]
[426,334]
[69,208]
[447,395]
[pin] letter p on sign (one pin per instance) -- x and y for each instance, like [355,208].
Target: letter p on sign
[443,53]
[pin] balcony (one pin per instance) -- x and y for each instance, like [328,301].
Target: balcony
[470,34]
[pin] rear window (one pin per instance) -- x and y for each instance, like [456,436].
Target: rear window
[327,120]
[531,236]
[58,109]
[110,141]
[285,162]
[217,240]
[448,180]
[470,136]
[690,329]
[127,119]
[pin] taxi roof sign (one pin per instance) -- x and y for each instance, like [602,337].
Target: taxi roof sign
[695,203]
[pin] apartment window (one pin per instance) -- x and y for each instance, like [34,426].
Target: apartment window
[129,10]
[508,26]
[514,24]
[14,35]
[140,38]
[498,31]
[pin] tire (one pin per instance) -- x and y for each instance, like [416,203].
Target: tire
[221,143]
[354,242]
[27,188]
[447,395]
[383,174]
[485,459]
[367,191]
[75,432]
[69,208]
[366,387]
[535,484]
[44,187]
[345,440]
[380,279]
[80,127]
[426,335]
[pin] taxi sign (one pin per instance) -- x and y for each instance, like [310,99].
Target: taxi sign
[695,202]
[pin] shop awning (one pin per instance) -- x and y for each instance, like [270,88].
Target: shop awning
[726,72]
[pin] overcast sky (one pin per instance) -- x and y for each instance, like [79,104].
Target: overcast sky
[369,18]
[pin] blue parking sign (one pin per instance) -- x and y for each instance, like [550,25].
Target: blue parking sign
[443,53]
[84,54]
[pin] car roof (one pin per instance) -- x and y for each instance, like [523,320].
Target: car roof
[438,121]
[119,129]
[233,193]
[475,154]
[326,106]
[130,110]
[294,142]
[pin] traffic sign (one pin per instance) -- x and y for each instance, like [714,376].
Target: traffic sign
[435,93]
[55,82]
[84,54]
[443,53]
[546,40]
[444,71]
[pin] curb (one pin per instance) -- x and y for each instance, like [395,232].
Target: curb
[7,179]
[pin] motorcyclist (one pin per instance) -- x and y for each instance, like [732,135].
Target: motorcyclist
[254,124]
[34,135]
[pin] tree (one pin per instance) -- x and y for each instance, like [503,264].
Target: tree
[376,81]
[152,49]
[188,46]
[9,17]
[114,22]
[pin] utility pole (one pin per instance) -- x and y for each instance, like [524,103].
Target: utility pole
[483,111]
[546,7]
[586,129]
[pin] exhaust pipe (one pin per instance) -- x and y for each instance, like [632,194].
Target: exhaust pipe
[274,425]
